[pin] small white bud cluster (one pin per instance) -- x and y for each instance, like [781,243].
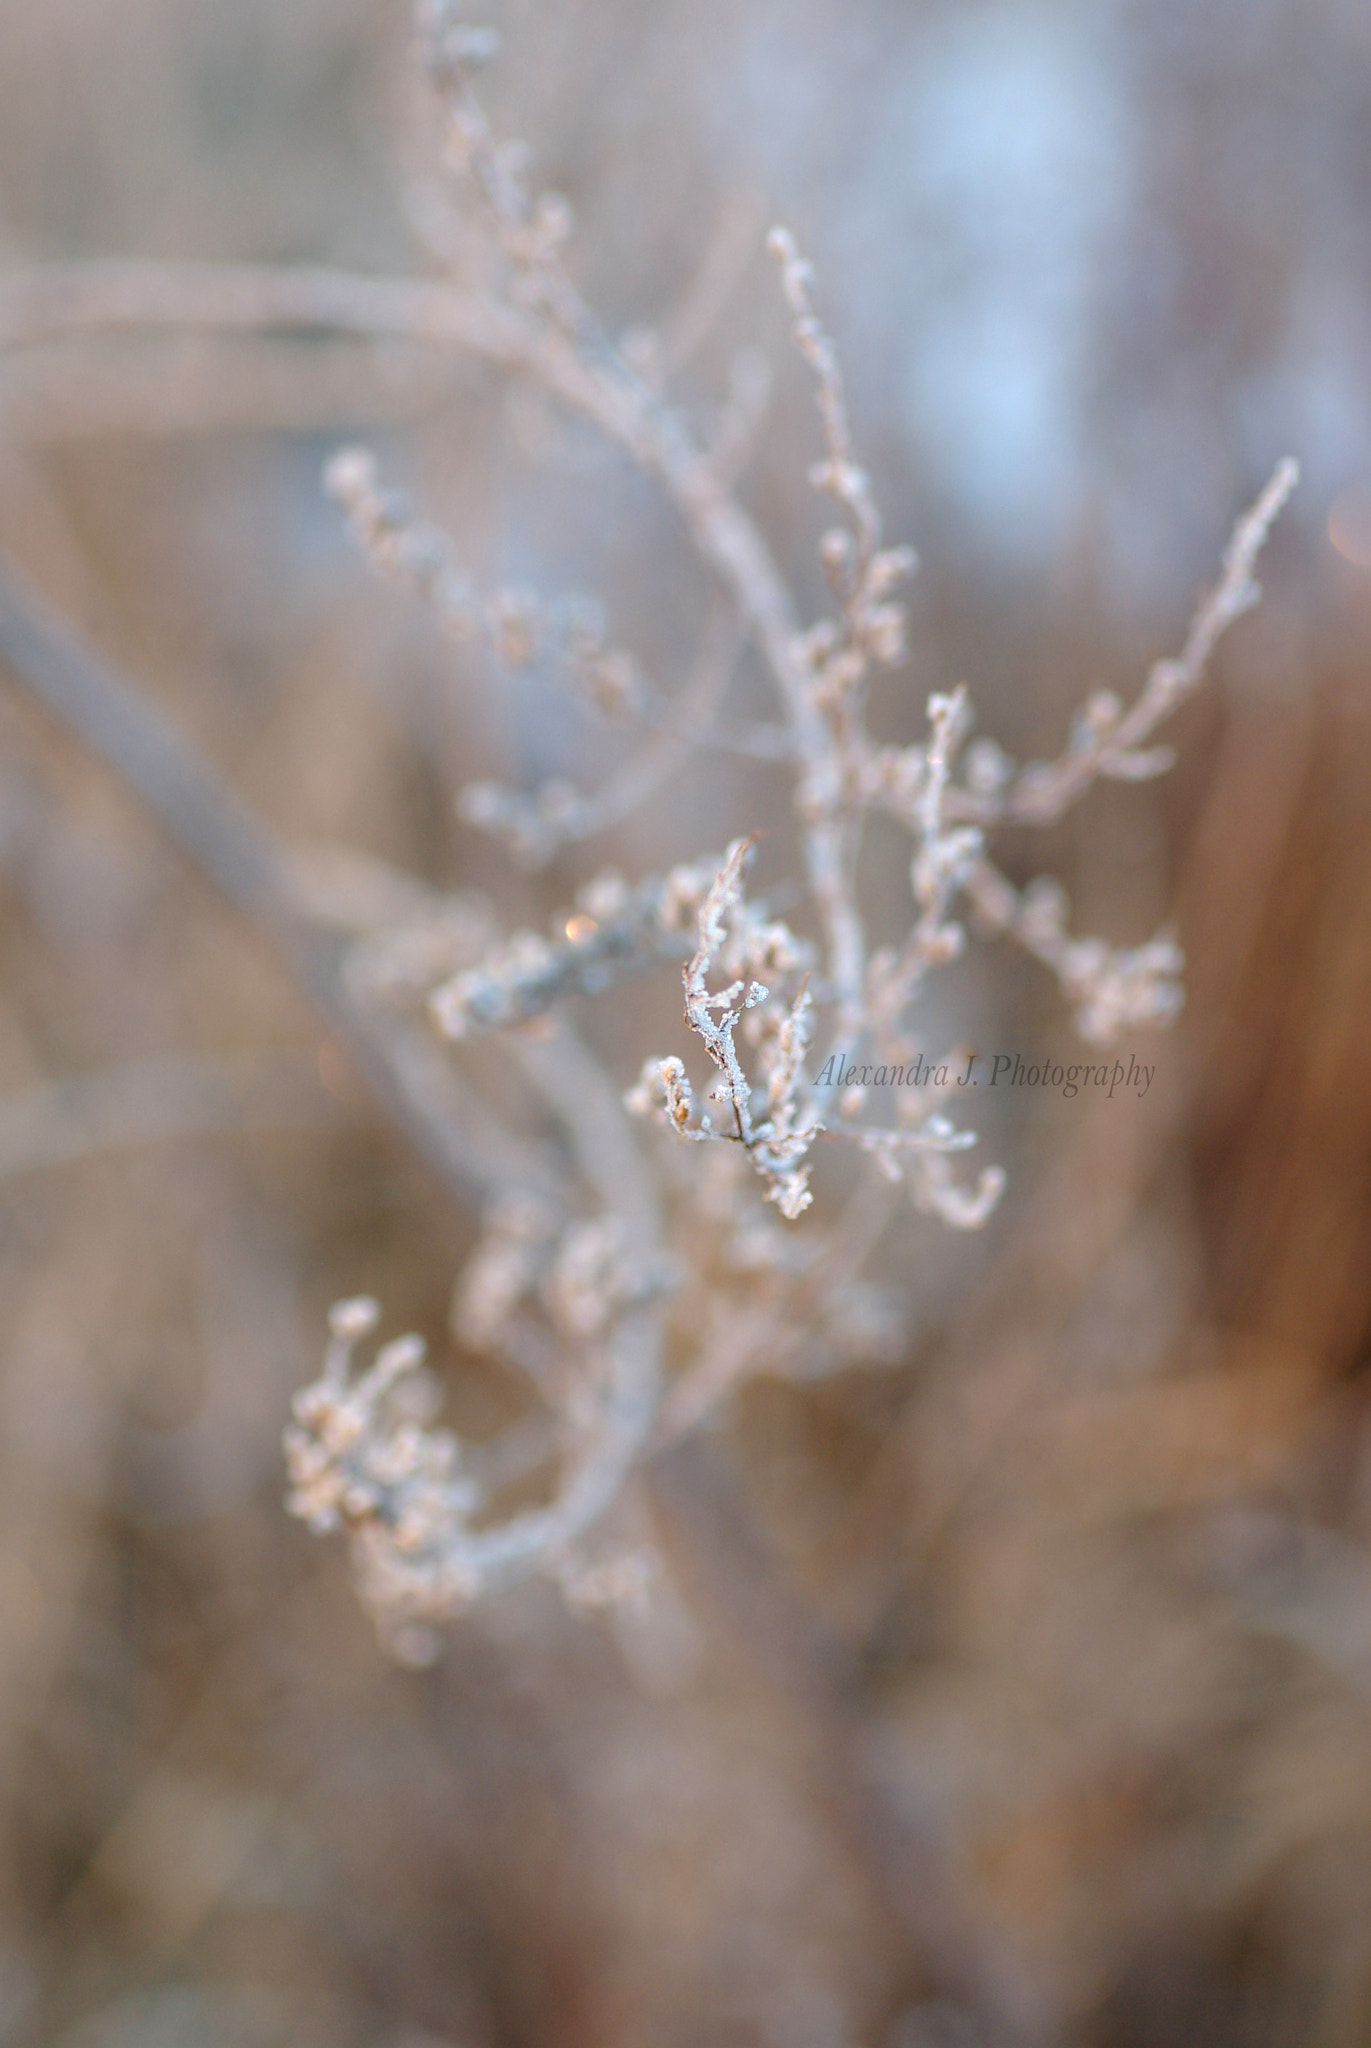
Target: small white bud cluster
[357,1461]
[1121,988]
[503,1269]
[1112,988]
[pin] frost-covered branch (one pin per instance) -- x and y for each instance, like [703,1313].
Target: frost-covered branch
[515,626]
[637,1283]
[743,947]
[579,1304]
[1111,987]
[1112,742]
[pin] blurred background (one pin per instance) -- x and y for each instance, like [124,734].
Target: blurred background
[1021,1688]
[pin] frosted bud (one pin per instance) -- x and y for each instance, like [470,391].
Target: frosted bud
[354,1319]
[350,475]
[988,767]
[553,219]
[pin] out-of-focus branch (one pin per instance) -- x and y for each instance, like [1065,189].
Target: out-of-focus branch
[1109,741]
[246,298]
[193,383]
[400,1065]
[146,1101]
[100,297]
[404,1069]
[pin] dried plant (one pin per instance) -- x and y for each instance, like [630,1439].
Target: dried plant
[633,1284]
[633,1295]
[1015,1692]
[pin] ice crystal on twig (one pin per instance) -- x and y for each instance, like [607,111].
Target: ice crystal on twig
[728,938]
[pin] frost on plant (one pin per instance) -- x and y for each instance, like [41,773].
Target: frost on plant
[687,1238]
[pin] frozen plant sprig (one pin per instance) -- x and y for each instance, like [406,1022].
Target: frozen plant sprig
[778,1144]
[1111,988]
[646,1298]
[860,573]
[1108,740]
[582,1299]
